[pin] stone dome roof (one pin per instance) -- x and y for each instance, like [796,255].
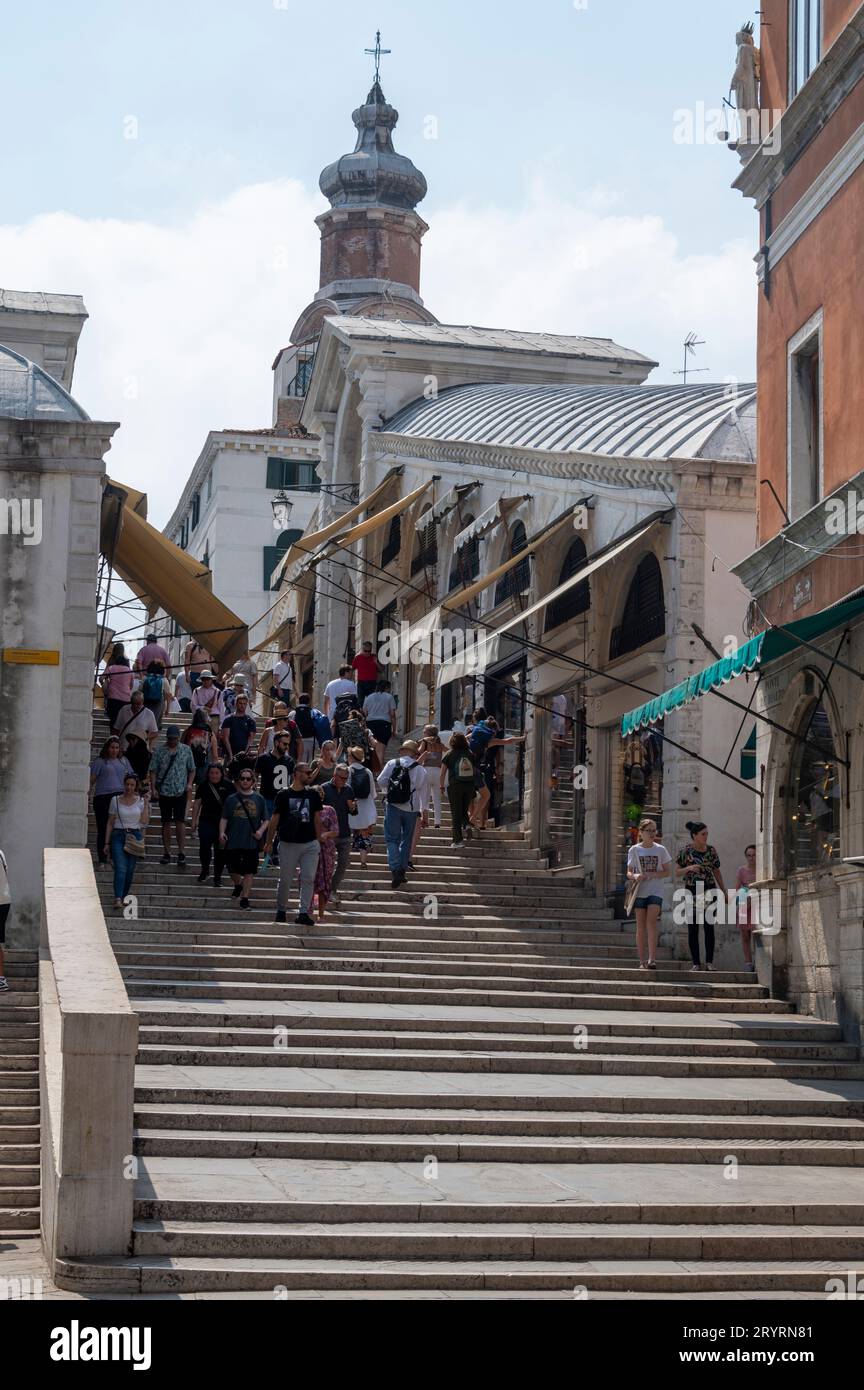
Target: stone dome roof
[374,174]
[27,392]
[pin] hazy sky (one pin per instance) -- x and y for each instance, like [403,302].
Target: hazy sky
[162,160]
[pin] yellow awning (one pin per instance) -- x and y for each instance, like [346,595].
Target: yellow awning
[154,566]
[316,539]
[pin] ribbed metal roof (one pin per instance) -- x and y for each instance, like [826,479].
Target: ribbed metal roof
[501,339]
[646,422]
[29,393]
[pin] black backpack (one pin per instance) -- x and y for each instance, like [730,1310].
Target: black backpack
[361,782]
[344,706]
[399,786]
[304,721]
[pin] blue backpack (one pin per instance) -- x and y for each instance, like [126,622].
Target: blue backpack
[323,731]
[152,690]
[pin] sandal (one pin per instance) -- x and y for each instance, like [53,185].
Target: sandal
[652,965]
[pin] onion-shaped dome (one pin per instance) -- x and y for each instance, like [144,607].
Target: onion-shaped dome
[374,174]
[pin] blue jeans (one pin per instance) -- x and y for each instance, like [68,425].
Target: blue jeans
[399,834]
[124,864]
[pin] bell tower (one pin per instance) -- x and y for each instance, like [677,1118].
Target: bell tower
[371,233]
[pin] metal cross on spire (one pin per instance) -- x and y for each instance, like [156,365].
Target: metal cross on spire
[376,53]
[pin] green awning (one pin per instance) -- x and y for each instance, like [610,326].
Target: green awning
[758,652]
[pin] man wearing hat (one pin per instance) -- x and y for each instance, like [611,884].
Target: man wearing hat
[208,696]
[236,686]
[172,776]
[404,783]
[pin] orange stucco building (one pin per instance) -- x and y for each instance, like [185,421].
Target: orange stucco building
[807,574]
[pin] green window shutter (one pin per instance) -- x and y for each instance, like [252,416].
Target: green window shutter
[274,474]
[272,556]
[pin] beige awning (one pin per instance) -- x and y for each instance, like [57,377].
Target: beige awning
[484,653]
[374,523]
[457,600]
[451,499]
[309,544]
[498,512]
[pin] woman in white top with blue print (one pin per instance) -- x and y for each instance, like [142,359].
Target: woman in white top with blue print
[648,865]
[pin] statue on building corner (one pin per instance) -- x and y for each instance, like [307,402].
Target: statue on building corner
[745,85]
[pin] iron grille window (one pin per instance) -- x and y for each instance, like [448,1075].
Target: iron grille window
[644,616]
[578,599]
[426,556]
[517,579]
[299,473]
[393,543]
[299,383]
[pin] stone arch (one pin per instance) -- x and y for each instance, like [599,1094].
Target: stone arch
[783,758]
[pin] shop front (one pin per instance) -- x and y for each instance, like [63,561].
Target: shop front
[504,700]
[636,792]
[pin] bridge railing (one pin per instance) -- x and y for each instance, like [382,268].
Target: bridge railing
[89,1038]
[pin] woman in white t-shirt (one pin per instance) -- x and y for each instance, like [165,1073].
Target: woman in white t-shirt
[648,865]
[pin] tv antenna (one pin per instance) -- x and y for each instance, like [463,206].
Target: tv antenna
[691,342]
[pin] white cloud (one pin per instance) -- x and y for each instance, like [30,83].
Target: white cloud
[190,316]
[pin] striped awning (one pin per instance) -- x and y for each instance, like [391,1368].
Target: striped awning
[757,653]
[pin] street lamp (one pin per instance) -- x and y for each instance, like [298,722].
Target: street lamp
[283,506]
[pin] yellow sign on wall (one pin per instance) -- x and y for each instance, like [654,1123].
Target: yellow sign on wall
[30,656]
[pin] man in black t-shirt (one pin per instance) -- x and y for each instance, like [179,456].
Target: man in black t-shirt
[238,729]
[272,782]
[297,818]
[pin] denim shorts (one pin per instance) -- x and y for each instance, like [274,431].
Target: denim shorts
[649,901]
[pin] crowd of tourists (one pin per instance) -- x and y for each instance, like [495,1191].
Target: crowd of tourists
[301,788]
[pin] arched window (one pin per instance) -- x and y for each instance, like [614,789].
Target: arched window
[644,615]
[273,554]
[518,579]
[814,803]
[578,599]
[393,543]
[466,561]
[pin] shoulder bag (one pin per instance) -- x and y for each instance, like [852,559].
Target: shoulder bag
[133,844]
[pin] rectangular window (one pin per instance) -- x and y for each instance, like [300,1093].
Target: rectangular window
[296,473]
[805,41]
[804,461]
[196,509]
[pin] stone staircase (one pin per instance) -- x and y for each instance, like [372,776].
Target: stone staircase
[465,1089]
[19,1096]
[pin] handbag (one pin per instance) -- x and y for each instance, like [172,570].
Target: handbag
[131,842]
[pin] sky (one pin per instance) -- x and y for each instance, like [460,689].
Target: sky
[162,160]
